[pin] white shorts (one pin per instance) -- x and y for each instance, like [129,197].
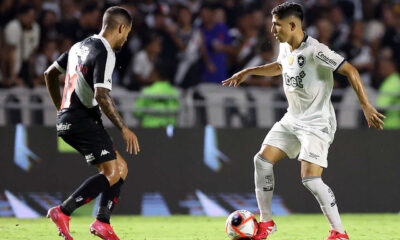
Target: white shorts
[311,144]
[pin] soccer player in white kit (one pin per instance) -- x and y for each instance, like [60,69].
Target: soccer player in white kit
[308,127]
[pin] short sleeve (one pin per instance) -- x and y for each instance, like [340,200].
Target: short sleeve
[323,56]
[103,69]
[61,62]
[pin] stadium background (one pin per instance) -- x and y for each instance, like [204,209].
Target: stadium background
[197,158]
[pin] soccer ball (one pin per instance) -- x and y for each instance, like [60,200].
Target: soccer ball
[241,224]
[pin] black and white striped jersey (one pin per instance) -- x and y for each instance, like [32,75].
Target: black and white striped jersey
[87,65]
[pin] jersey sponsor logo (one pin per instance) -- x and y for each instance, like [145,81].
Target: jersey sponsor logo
[78,199]
[301,60]
[104,152]
[295,81]
[89,157]
[63,126]
[326,59]
[81,68]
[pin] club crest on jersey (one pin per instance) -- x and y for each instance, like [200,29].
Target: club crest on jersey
[291,59]
[301,60]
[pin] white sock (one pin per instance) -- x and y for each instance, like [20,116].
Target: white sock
[326,200]
[264,181]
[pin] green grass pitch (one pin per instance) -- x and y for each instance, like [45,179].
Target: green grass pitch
[293,227]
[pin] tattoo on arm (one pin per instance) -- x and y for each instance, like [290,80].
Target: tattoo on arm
[108,107]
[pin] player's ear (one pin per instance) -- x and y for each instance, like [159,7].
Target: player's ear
[121,28]
[292,26]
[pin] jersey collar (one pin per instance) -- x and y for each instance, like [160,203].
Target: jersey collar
[105,42]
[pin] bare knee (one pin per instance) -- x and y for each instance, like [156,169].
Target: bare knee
[110,171]
[310,170]
[122,166]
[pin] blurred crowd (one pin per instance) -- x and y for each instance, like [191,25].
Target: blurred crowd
[194,41]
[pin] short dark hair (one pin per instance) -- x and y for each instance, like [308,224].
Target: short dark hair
[288,9]
[24,9]
[111,15]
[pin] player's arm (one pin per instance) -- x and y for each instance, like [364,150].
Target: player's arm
[102,79]
[371,114]
[51,78]
[269,70]
[107,105]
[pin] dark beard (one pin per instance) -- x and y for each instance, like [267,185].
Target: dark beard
[117,49]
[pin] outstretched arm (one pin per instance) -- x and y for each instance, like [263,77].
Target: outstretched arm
[51,77]
[107,105]
[271,69]
[373,117]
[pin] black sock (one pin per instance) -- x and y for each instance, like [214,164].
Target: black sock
[88,190]
[108,200]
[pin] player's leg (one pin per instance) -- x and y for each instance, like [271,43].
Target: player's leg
[313,157]
[311,178]
[264,183]
[109,198]
[101,226]
[264,178]
[279,142]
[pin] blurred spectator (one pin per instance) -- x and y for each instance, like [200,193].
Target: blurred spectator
[22,37]
[143,64]
[48,24]
[188,40]
[322,31]
[358,53]
[158,104]
[389,92]
[7,11]
[166,30]
[86,25]
[45,58]
[265,55]
[340,29]
[245,39]
[216,45]
[391,37]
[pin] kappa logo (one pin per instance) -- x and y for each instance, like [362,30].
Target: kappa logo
[109,80]
[104,152]
[89,157]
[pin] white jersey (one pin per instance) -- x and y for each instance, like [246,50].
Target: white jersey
[307,74]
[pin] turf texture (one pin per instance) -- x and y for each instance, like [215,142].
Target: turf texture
[293,227]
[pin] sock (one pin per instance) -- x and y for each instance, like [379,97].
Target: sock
[264,181]
[109,199]
[88,190]
[326,200]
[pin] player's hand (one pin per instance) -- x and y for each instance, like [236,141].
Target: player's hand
[374,118]
[236,79]
[131,140]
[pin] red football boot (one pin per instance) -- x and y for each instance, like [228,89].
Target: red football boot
[335,235]
[265,229]
[103,230]
[62,222]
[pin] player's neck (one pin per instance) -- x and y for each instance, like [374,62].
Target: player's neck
[108,36]
[296,40]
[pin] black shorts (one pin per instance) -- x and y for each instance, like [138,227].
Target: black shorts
[87,136]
